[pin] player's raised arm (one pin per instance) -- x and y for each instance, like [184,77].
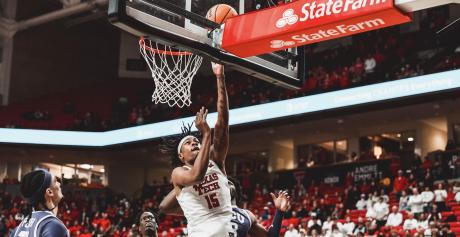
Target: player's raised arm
[221,139]
[182,176]
[282,204]
[170,206]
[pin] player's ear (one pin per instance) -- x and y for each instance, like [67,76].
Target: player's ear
[49,192]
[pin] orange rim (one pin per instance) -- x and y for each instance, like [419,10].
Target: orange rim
[159,51]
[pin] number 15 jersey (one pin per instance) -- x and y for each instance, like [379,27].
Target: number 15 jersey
[207,205]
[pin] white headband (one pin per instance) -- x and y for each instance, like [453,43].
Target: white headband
[182,142]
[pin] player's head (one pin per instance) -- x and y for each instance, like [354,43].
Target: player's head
[235,190]
[182,148]
[148,225]
[41,190]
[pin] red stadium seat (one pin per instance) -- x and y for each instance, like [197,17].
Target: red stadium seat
[285,223]
[445,214]
[294,221]
[455,224]
[457,213]
[456,230]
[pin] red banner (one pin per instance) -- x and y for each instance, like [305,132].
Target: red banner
[306,22]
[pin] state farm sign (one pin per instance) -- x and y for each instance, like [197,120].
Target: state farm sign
[323,34]
[304,22]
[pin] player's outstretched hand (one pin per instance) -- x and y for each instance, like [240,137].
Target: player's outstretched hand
[282,202]
[218,69]
[200,121]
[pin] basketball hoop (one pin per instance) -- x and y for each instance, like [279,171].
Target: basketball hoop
[172,72]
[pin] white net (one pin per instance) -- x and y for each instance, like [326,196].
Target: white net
[172,72]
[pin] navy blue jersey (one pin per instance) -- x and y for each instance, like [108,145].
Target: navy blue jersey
[241,223]
[41,224]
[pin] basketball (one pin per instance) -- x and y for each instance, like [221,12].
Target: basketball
[220,13]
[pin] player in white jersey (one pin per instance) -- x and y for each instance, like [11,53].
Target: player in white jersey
[244,222]
[200,183]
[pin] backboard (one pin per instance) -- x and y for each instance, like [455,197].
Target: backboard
[181,24]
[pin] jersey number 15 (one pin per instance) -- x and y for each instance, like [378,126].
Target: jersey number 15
[212,200]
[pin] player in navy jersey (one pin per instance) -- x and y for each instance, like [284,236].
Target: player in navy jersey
[42,192]
[243,222]
[148,225]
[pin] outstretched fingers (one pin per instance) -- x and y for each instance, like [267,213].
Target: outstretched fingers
[200,120]
[205,114]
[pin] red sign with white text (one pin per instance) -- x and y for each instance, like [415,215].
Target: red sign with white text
[306,22]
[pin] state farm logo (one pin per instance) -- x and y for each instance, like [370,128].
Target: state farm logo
[289,18]
[276,44]
[315,10]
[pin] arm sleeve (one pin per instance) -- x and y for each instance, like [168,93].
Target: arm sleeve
[53,228]
[274,230]
[12,233]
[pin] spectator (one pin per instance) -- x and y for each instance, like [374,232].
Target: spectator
[410,223]
[327,225]
[456,187]
[427,199]
[434,215]
[140,119]
[403,201]
[314,223]
[352,197]
[375,196]
[344,80]
[360,227]
[440,195]
[370,202]
[105,223]
[335,232]
[400,183]
[347,227]
[428,179]
[395,218]
[415,203]
[381,212]
[423,222]
[327,82]
[412,181]
[383,195]
[133,117]
[457,197]
[358,70]
[362,203]
[369,65]
[292,232]
[75,228]
[432,229]
[370,213]
[303,233]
